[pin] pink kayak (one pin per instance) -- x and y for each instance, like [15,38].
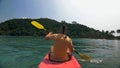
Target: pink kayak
[46,63]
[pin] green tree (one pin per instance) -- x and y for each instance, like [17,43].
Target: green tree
[23,27]
[118,31]
[112,32]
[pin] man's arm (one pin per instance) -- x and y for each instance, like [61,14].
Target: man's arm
[70,45]
[50,36]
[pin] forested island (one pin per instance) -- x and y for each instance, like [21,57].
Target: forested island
[23,27]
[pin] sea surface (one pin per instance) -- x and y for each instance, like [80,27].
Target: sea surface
[28,52]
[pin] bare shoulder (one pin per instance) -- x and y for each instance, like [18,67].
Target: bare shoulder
[68,38]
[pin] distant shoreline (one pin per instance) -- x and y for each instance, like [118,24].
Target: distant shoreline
[23,27]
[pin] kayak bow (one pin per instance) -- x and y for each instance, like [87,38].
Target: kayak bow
[46,63]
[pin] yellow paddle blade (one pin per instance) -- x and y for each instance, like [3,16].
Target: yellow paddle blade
[37,25]
[84,56]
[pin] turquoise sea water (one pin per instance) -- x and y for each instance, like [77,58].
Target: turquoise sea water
[27,52]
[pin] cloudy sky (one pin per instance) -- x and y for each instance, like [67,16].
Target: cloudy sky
[97,14]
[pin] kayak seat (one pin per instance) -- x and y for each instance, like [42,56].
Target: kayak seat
[69,56]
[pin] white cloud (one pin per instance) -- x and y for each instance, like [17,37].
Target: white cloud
[99,14]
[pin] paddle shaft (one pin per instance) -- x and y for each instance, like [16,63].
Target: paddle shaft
[76,51]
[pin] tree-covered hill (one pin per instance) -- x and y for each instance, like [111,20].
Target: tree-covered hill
[23,27]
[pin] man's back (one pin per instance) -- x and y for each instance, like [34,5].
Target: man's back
[62,45]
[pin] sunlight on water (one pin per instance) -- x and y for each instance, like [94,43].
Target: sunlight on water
[91,61]
[96,61]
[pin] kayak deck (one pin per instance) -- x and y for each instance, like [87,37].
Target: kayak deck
[46,63]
